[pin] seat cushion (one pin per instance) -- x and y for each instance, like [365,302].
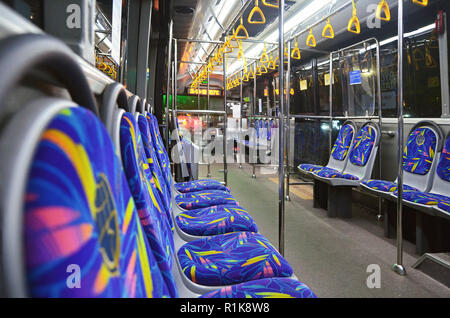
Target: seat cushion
[79,214]
[264,288]
[419,151]
[309,167]
[444,205]
[204,199]
[423,197]
[363,145]
[231,259]
[386,186]
[343,143]
[200,185]
[335,174]
[216,220]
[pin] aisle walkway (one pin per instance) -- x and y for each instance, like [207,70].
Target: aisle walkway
[329,255]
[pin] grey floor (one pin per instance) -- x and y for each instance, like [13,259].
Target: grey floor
[330,255]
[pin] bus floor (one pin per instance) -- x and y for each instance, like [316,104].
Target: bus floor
[332,256]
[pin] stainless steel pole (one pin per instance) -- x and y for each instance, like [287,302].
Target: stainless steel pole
[208,175]
[398,267]
[330,122]
[288,121]
[169,66]
[380,121]
[225,119]
[241,101]
[175,74]
[281,202]
[254,122]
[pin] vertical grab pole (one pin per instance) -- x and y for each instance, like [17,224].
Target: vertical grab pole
[208,175]
[288,121]
[254,121]
[281,202]
[330,134]
[169,65]
[225,119]
[241,101]
[380,120]
[398,266]
[175,76]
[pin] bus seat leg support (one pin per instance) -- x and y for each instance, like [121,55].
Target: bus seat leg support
[320,197]
[340,202]
[389,220]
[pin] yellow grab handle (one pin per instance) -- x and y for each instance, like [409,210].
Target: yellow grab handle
[241,28]
[234,42]
[256,10]
[245,78]
[354,21]
[227,48]
[258,71]
[311,40]
[251,74]
[264,69]
[383,7]
[268,4]
[328,31]
[422,3]
[264,56]
[271,64]
[296,55]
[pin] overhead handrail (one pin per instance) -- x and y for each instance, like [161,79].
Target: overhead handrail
[353,25]
[241,28]
[311,40]
[383,6]
[328,31]
[268,4]
[422,3]
[256,11]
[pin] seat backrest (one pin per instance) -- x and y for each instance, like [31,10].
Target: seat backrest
[157,174]
[161,153]
[83,237]
[423,146]
[143,188]
[441,181]
[364,151]
[340,150]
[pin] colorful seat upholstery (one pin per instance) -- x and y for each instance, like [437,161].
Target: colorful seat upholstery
[204,199]
[418,157]
[444,205]
[440,190]
[385,186]
[157,174]
[332,173]
[216,220]
[79,213]
[200,185]
[264,288]
[339,151]
[231,259]
[363,149]
[143,188]
[423,198]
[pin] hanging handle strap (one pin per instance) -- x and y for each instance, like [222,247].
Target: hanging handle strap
[256,11]
[353,25]
[328,31]
[383,7]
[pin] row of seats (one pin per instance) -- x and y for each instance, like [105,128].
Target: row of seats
[426,165]
[99,196]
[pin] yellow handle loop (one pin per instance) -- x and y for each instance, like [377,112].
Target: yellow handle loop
[353,25]
[268,4]
[328,31]
[264,69]
[264,57]
[296,55]
[239,29]
[256,11]
[383,7]
[258,71]
[271,64]
[422,3]
[311,40]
